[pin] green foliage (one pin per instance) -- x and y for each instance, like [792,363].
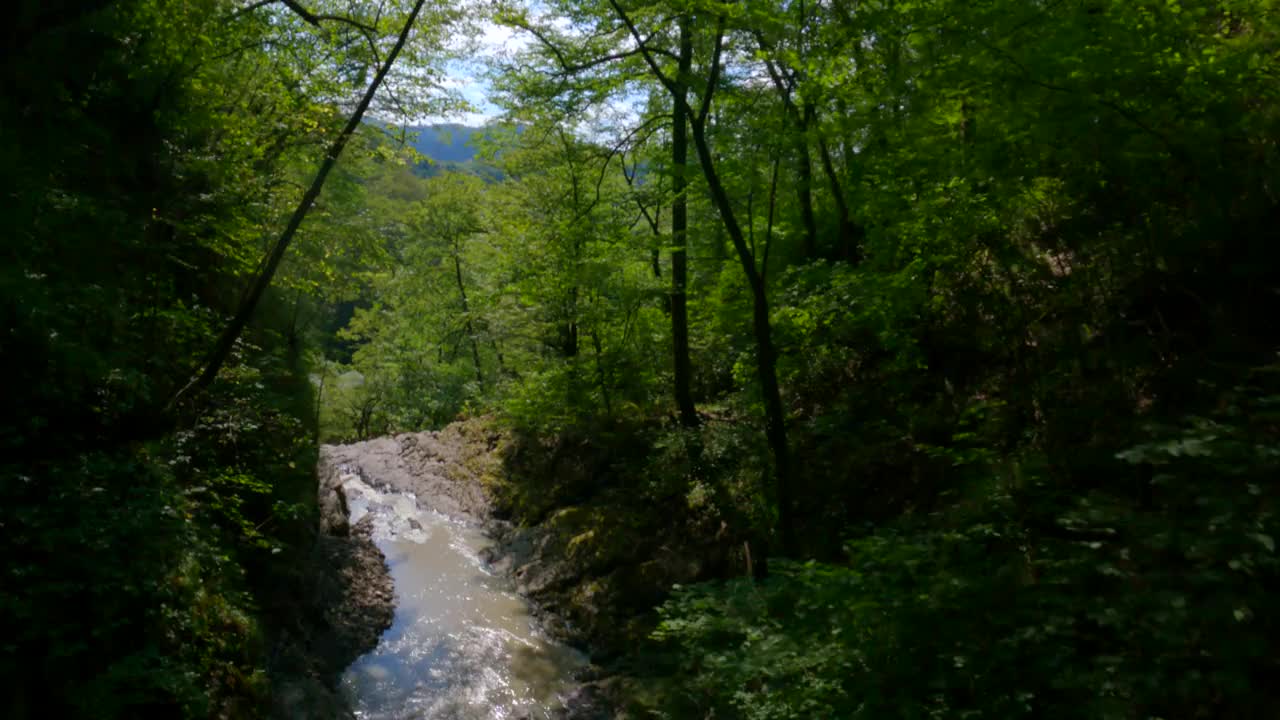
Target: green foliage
[1017,261]
[1105,612]
[523,295]
[1020,257]
[148,149]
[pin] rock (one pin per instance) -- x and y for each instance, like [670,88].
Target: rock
[308,698]
[334,518]
[344,601]
[442,468]
[590,701]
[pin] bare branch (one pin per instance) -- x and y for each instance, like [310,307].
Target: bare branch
[315,19]
[568,68]
[251,7]
[644,49]
[368,31]
[714,78]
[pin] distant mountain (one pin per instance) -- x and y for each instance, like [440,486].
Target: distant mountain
[446,143]
[450,147]
[446,147]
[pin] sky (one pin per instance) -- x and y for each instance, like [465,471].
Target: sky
[467,77]
[493,41]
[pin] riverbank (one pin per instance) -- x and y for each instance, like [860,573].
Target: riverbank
[344,601]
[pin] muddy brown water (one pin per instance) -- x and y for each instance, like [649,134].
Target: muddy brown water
[463,645]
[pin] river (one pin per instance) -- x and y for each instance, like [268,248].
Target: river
[463,645]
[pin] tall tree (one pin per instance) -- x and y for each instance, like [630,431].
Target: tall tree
[680,227]
[766,353]
[226,341]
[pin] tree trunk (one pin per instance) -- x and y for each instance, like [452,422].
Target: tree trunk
[600,373]
[804,193]
[466,313]
[222,349]
[851,233]
[324,373]
[569,330]
[766,355]
[775,419]
[680,231]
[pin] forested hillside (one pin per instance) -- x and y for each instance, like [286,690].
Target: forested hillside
[910,358]
[152,152]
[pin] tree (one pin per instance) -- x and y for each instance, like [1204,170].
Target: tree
[680,227]
[766,353]
[226,341]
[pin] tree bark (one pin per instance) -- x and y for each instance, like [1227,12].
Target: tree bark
[222,349]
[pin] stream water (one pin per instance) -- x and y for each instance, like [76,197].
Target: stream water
[463,645]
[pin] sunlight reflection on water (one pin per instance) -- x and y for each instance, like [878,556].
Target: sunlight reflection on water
[462,646]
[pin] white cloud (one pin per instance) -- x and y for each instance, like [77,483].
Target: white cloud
[483,42]
[470,119]
[497,39]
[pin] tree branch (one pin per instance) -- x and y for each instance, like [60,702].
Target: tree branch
[714,78]
[368,31]
[568,68]
[315,19]
[644,49]
[251,7]
[785,85]
[630,177]
[619,148]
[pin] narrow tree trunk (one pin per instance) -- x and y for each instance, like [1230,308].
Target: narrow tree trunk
[680,231]
[569,330]
[766,355]
[775,419]
[222,349]
[784,84]
[803,162]
[851,233]
[502,363]
[466,313]
[600,373]
[324,373]
[804,193]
